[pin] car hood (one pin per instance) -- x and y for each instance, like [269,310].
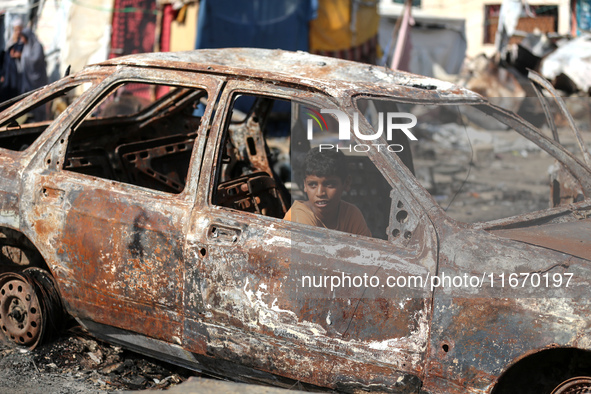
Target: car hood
[573,238]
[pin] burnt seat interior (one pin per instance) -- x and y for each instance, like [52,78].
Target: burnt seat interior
[247,181]
[160,163]
[152,149]
[20,138]
[256,192]
[370,192]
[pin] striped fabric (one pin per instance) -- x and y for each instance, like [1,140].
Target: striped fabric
[364,53]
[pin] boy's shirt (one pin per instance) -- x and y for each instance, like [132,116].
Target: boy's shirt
[350,218]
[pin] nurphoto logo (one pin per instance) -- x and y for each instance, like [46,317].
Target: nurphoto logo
[392,123]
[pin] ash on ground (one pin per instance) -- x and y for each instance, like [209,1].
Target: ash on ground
[78,363]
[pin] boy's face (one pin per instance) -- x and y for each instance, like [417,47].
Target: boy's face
[324,193]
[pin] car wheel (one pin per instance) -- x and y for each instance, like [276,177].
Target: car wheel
[28,302]
[578,385]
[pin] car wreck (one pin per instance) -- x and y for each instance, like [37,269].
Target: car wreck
[149,205]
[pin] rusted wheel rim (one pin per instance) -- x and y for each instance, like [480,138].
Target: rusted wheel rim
[578,385]
[20,313]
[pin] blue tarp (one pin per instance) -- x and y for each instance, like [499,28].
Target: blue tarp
[583,15]
[255,23]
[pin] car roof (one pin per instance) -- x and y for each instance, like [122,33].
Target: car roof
[298,67]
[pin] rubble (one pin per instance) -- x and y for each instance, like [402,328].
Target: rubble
[486,77]
[564,61]
[570,61]
[78,363]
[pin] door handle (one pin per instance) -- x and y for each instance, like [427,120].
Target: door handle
[221,233]
[52,195]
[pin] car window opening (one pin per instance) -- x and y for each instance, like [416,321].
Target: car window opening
[140,134]
[263,153]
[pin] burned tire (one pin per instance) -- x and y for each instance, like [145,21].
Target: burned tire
[30,307]
[578,385]
[551,371]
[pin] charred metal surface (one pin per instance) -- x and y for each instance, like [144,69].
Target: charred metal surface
[262,309]
[256,192]
[247,182]
[564,188]
[140,161]
[477,334]
[163,233]
[571,238]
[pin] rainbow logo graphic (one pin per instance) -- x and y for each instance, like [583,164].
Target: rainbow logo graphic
[315,115]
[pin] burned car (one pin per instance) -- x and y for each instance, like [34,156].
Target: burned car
[146,197]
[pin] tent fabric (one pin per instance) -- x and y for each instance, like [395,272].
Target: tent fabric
[572,60]
[508,18]
[74,34]
[343,24]
[401,56]
[167,17]
[134,27]
[183,30]
[583,12]
[87,34]
[437,50]
[367,52]
[438,45]
[258,23]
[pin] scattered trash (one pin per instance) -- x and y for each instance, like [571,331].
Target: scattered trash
[94,365]
[571,60]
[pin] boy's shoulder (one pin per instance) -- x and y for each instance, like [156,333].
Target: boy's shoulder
[351,219]
[349,209]
[301,213]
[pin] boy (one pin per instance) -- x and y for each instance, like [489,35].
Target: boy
[325,179]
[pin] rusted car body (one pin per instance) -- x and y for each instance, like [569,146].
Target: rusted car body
[141,220]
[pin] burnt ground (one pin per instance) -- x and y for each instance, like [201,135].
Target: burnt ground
[78,363]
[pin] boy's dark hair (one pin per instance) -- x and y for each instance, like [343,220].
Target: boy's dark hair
[325,163]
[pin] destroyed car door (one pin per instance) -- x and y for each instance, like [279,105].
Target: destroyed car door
[564,188]
[250,297]
[116,193]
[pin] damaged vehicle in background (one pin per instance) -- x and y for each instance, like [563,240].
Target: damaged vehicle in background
[145,197]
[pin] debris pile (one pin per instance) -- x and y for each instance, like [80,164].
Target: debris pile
[565,61]
[78,363]
[569,66]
